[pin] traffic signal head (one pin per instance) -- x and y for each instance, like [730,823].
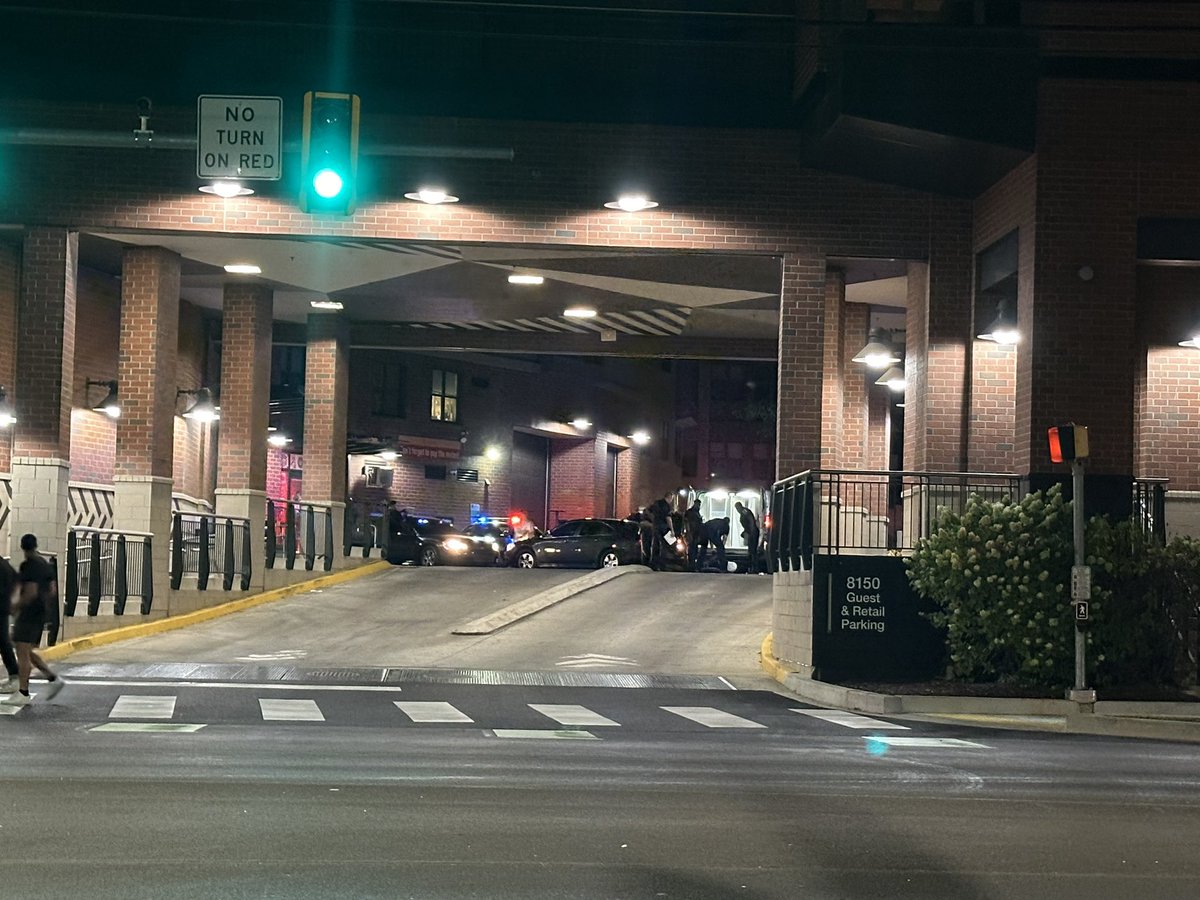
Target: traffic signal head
[1068,442]
[329,152]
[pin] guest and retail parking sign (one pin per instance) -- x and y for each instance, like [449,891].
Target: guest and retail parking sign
[238,137]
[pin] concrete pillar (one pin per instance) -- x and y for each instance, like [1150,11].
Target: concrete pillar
[10,262]
[326,397]
[801,346]
[45,376]
[146,377]
[245,396]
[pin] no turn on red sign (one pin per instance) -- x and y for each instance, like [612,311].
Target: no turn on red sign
[238,137]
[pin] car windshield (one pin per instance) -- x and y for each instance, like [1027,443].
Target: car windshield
[436,528]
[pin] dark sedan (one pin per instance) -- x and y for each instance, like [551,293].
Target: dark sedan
[434,542]
[581,543]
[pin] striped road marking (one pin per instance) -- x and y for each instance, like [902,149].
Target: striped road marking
[890,741]
[431,711]
[849,720]
[154,727]
[712,718]
[543,734]
[13,710]
[570,714]
[290,711]
[142,706]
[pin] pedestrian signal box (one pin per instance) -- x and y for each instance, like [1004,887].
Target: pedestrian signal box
[1068,442]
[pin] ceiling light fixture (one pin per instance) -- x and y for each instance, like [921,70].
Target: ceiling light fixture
[431,195]
[388,455]
[519,278]
[631,203]
[8,415]
[579,312]
[326,304]
[1003,329]
[109,405]
[893,379]
[201,408]
[878,353]
[580,422]
[278,439]
[243,269]
[226,189]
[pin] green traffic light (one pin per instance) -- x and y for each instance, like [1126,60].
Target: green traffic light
[327,183]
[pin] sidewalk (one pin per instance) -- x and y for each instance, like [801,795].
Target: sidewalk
[1114,718]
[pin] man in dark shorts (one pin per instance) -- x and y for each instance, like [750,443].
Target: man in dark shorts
[8,584]
[39,588]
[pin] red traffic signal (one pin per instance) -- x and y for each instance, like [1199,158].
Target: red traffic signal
[1068,442]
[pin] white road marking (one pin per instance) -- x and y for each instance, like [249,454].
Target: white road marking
[241,685]
[712,718]
[923,742]
[142,706]
[153,727]
[849,720]
[595,661]
[290,711]
[544,734]
[13,710]
[571,714]
[728,683]
[431,711]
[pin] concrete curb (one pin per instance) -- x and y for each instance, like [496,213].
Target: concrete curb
[522,609]
[1162,721]
[145,629]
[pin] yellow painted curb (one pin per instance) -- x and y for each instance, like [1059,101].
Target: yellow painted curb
[171,623]
[769,663]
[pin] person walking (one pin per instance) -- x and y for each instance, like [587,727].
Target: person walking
[660,517]
[8,584]
[39,588]
[750,534]
[693,529]
[715,532]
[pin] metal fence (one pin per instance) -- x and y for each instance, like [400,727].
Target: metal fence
[365,527]
[1150,506]
[203,545]
[831,511]
[107,564]
[297,528]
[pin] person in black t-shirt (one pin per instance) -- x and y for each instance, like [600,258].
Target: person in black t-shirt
[8,584]
[750,534]
[39,588]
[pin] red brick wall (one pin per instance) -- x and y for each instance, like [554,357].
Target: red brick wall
[801,342]
[413,491]
[245,387]
[97,336]
[10,285]
[326,397]
[149,350]
[855,378]
[46,344]
[575,484]
[915,369]
[195,443]
[993,407]
[832,356]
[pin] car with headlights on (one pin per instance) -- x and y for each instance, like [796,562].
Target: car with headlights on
[581,543]
[429,541]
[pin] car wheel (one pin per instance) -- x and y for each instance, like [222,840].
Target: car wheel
[526,560]
[429,557]
[610,559]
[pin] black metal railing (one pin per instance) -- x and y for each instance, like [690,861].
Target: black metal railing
[365,527]
[1150,506]
[832,511]
[298,528]
[106,564]
[203,545]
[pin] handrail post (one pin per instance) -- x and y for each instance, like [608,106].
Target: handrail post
[328,563]
[147,576]
[204,564]
[247,559]
[72,596]
[176,551]
[121,590]
[227,562]
[94,576]
[310,538]
[347,530]
[272,540]
[289,536]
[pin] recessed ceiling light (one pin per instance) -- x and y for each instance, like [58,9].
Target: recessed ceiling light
[632,203]
[278,440]
[525,279]
[579,312]
[243,269]
[388,455]
[431,195]
[226,189]
[326,304]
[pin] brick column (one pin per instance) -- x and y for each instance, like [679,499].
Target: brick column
[831,365]
[10,262]
[857,379]
[801,349]
[326,396]
[245,395]
[45,376]
[146,378]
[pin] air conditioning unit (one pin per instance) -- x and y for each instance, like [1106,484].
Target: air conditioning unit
[378,476]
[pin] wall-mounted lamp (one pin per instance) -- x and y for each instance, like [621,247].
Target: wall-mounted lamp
[878,353]
[893,379]
[641,438]
[8,415]
[1193,341]
[492,453]
[1003,329]
[278,439]
[109,405]
[580,422]
[388,455]
[201,408]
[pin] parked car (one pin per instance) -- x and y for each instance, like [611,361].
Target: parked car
[497,532]
[436,542]
[581,543]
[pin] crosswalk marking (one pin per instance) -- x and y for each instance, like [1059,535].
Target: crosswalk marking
[571,714]
[711,717]
[143,706]
[849,720]
[290,711]
[431,711]
[890,741]
[154,727]
[543,734]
